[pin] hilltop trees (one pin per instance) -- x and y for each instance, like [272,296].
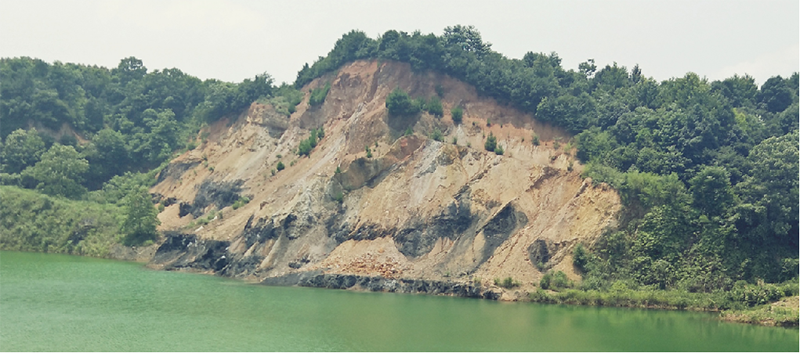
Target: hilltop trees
[127,118]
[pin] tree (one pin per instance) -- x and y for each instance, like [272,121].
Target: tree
[141,218]
[776,94]
[769,194]
[491,143]
[711,191]
[466,38]
[457,113]
[22,149]
[434,107]
[400,104]
[60,172]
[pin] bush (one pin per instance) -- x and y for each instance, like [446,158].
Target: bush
[308,144]
[280,166]
[369,151]
[560,280]
[318,95]
[535,140]
[434,107]
[499,150]
[437,135]
[400,104]
[579,257]
[457,113]
[544,283]
[555,280]
[491,143]
[507,283]
[239,203]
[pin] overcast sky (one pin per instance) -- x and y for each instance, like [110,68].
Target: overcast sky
[233,40]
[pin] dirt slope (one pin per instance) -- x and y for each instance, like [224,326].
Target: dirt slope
[418,209]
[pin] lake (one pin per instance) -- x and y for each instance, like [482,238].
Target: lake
[67,303]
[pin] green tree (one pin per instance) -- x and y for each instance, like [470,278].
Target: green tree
[400,104]
[434,107]
[769,194]
[22,149]
[491,143]
[59,172]
[141,218]
[711,191]
[457,113]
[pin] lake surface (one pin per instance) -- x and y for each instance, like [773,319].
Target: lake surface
[66,303]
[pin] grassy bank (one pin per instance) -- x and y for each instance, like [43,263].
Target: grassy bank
[781,313]
[750,303]
[30,221]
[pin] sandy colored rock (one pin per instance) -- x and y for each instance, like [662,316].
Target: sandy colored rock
[418,208]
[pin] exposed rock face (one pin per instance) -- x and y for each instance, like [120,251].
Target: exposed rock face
[419,216]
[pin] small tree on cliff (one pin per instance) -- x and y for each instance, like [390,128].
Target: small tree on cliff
[141,218]
[400,104]
[491,143]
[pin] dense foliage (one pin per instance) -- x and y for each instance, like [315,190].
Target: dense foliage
[31,221]
[707,170]
[129,122]
[133,119]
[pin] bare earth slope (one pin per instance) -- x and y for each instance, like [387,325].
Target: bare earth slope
[419,216]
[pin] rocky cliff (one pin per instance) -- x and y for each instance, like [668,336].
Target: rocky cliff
[419,215]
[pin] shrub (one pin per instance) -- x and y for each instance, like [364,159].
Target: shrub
[491,143]
[318,95]
[308,144]
[239,203]
[544,283]
[280,166]
[434,107]
[338,170]
[440,91]
[579,257]
[535,140]
[437,135]
[499,150]
[560,280]
[338,197]
[507,283]
[457,113]
[369,152]
[400,104]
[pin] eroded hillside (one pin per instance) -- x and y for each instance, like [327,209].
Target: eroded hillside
[418,215]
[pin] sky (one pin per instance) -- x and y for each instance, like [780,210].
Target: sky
[233,40]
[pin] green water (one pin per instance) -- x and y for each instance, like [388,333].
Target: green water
[66,303]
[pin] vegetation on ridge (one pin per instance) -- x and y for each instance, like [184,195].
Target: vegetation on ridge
[707,170]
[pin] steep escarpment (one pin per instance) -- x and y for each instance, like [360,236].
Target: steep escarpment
[377,204]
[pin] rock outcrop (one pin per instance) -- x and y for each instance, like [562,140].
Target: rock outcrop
[420,215]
